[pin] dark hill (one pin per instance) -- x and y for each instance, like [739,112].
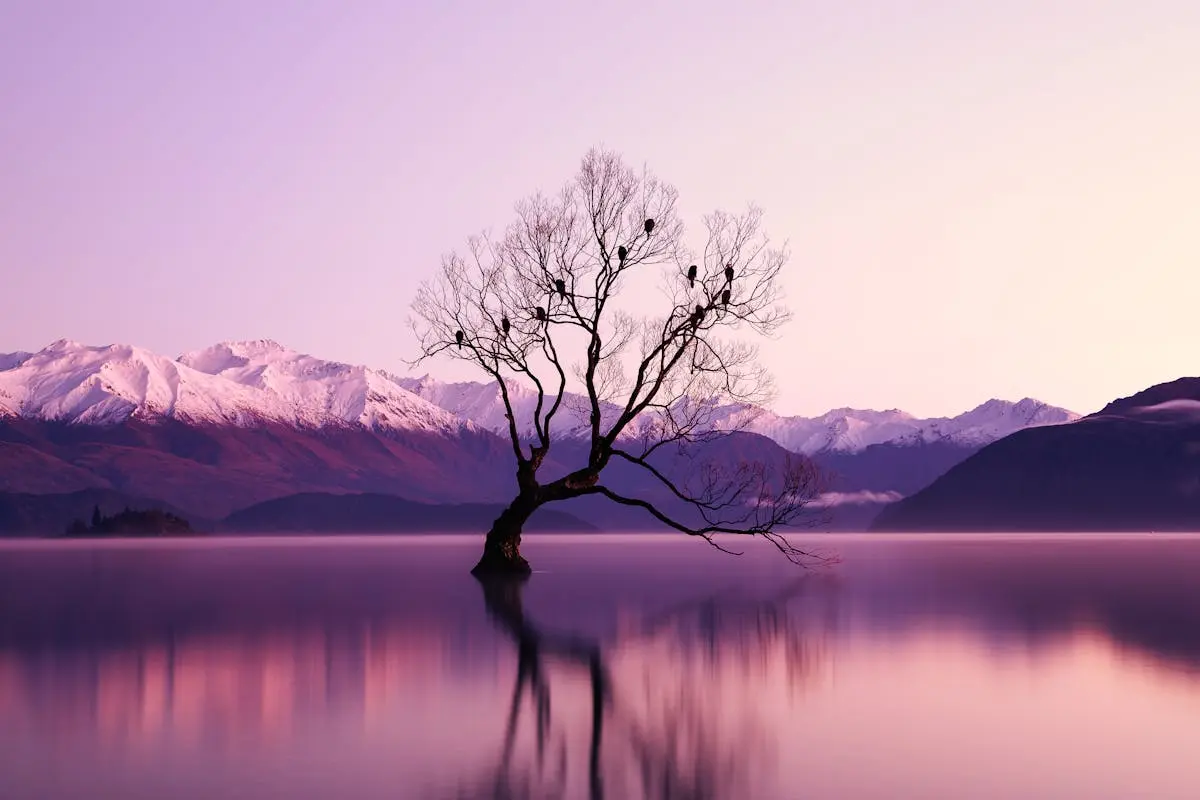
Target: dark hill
[890,467]
[50,514]
[210,471]
[207,472]
[1134,466]
[313,512]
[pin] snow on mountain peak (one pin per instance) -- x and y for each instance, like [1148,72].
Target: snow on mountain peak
[64,345]
[326,388]
[840,429]
[853,430]
[240,382]
[73,382]
[224,355]
[994,420]
[230,383]
[482,404]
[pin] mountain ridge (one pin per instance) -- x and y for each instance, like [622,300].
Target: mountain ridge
[231,383]
[841,429]
[247,382]
[244,422]
[1132,466]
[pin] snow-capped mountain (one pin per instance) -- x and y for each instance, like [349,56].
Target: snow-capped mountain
[839,430]
[482,404]
[843,430]
[321,390]
[233,383]
[241,422]
[849,430]
[240,383]
[994,420]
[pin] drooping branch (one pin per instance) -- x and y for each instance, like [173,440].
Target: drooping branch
[749,499]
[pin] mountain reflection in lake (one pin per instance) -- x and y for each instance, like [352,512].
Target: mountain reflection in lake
[649,667]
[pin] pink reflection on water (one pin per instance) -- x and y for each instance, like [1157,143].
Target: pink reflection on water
[844,686]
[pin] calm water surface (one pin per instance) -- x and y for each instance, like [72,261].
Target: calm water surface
[628,667]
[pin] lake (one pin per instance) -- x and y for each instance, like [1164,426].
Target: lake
[627,667]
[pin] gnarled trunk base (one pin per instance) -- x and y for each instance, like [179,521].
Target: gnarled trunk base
[502,547]
[502,557]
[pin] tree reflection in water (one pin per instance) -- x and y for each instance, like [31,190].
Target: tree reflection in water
[657,721]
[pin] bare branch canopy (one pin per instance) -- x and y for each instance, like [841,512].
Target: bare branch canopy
[592,297]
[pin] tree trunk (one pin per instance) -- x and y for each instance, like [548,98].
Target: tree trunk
[502,547]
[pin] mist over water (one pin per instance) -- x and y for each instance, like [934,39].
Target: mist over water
[627,667]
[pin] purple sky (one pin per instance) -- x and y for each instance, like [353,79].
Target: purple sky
[982,200]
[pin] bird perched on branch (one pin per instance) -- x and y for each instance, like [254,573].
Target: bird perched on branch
[458,338]
[505,325]
[725,297]
[691,276]
[729,273]
[622,253]
[698,315]
[560,286]
[649,226]
[540,313]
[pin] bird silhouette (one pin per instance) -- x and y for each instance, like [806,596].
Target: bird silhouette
[541,314]
[458,338]
[505,325]
[560,286]
[649,226]
[621,253]
[698,315]
[725,297]
[729,273]
[692,275]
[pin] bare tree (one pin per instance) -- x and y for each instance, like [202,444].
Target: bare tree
[519,306]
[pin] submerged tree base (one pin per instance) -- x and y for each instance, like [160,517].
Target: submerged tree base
[502,556]
[496,564]
[502,547]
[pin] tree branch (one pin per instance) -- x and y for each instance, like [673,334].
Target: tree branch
[552,285]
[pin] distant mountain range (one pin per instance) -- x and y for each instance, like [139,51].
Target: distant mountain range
[1132,466]
[234,383]
[240,423]
[842,430]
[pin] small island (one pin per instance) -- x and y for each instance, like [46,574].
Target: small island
[151,522]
